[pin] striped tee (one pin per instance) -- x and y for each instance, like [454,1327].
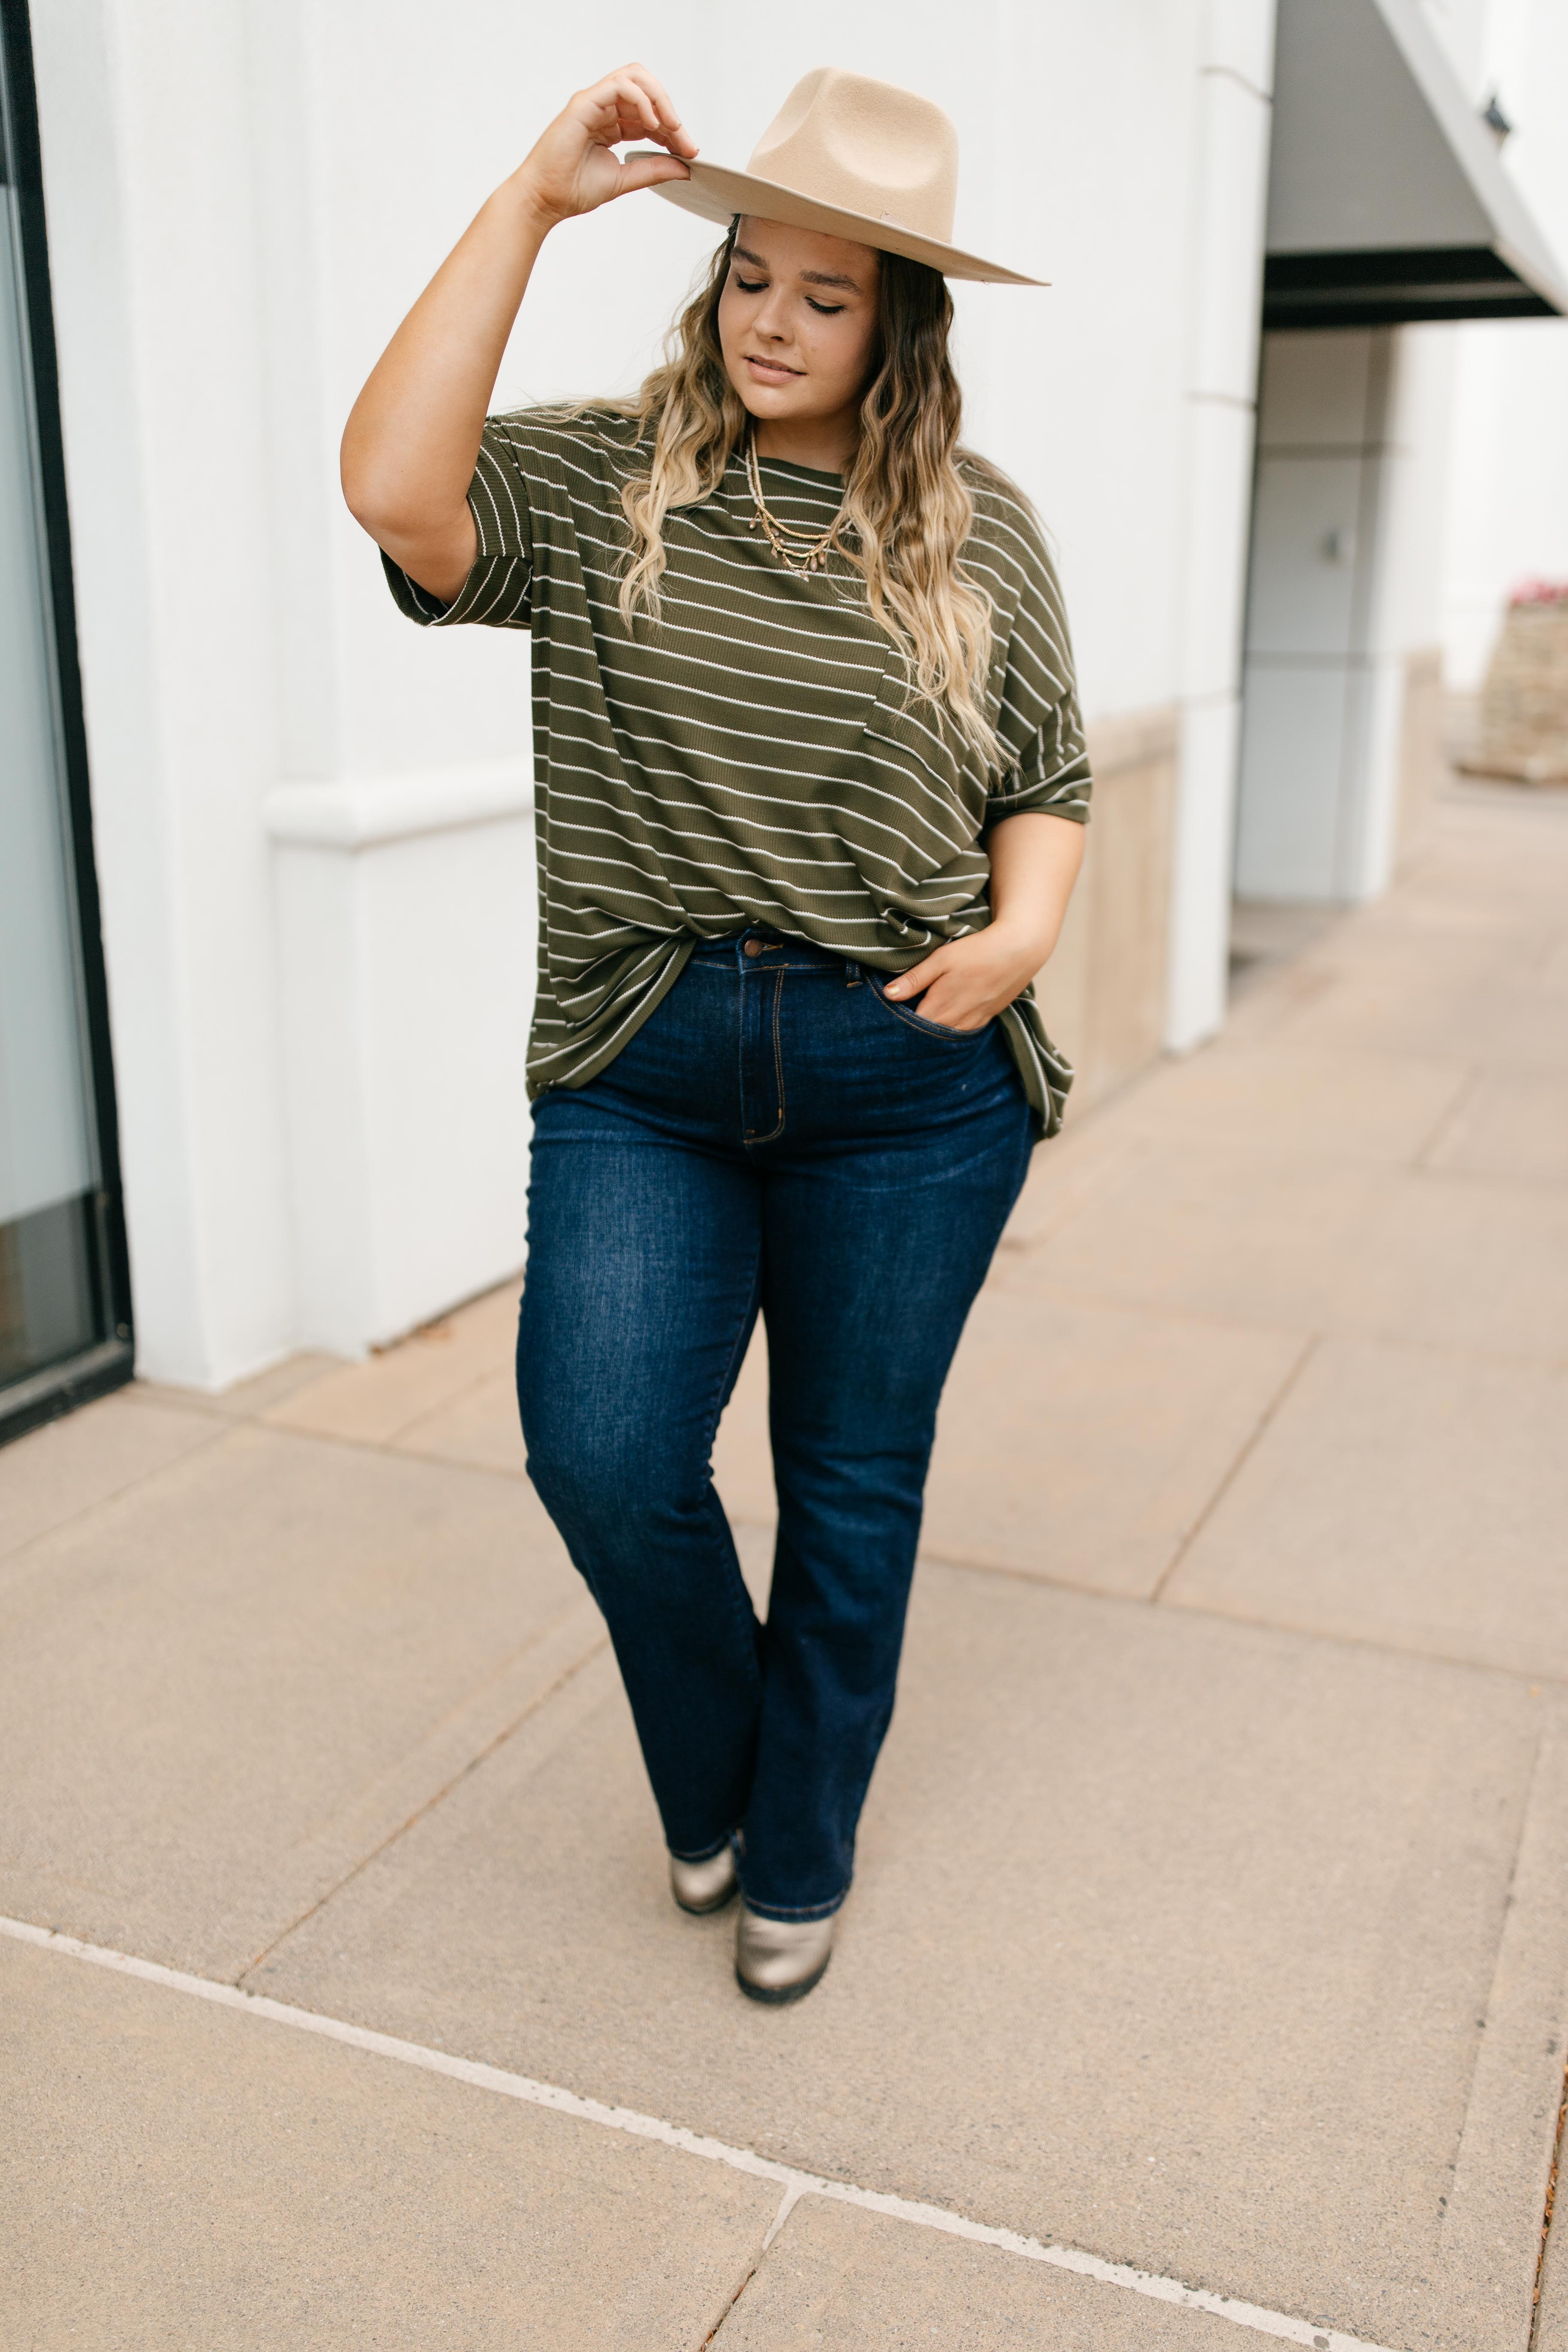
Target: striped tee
[757,757]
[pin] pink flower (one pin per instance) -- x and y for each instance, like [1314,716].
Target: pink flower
[1539,592]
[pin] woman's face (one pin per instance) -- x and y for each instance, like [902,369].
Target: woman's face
[797,322]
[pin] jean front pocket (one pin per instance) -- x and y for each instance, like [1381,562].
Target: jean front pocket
[913,1020]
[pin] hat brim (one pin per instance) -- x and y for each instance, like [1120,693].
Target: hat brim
[716,193]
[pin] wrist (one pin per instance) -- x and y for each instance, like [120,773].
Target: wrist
[1025,941]
[523,198]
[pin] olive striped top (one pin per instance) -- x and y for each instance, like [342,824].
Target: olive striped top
[755,757]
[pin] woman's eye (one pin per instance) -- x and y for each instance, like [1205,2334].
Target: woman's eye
[750,285]
[828,309]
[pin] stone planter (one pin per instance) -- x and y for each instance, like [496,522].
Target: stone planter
[1524,704]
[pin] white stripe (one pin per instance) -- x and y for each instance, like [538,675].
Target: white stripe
[672,601]
[749,793]
[745,905]
[723,829]
[719,833]
[697,787]
[735,493]
[867,672]
[1026,569]
[741,885]
[743,875]
[1040,785]
[710,838]
[584,1049]
[757,579]
[787,2177]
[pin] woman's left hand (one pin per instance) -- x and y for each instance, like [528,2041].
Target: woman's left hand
[966,982]
[1034,859]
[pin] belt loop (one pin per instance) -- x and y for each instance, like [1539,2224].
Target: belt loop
[851,973]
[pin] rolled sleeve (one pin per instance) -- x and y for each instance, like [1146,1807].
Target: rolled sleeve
[498,591]
[1039,720]
[1052,775]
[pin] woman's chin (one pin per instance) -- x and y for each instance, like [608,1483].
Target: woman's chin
[777,404]
[766,399]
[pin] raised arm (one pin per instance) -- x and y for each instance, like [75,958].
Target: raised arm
[412,440]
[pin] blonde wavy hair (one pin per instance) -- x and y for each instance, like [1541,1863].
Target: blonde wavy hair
[907,508]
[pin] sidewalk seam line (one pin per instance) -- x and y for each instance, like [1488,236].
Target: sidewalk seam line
[1483,2022]
[394,1439]
[786,2206]
[1249,1447]
[1464,1094]
[542,1698]
[789,2176]
[1041,1580]
[15,1552]
[1547,2217]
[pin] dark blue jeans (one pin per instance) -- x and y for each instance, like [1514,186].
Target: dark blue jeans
[777,1137]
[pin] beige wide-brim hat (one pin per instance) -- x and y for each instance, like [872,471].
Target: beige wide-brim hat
[853,158]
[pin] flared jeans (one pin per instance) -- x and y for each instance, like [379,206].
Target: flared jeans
[776,1138]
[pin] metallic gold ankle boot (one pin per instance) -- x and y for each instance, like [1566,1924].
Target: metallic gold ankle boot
[702,1887]
[781,1959]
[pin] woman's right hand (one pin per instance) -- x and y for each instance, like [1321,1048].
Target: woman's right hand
[573,167]
[411,444]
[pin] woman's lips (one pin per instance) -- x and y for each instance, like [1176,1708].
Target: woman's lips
[774,371]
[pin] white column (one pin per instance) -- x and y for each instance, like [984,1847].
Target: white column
[152,228]
[1234,122]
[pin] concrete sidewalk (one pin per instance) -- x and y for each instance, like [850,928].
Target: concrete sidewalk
[1212,1916]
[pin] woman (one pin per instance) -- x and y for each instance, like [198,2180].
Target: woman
[811,792]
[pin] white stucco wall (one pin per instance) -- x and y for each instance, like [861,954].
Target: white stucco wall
[243,197]
[1229,193]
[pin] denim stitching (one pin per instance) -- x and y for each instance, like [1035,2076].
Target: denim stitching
[709,1853]
[777,1130]
[806,1911]
[913,1020]
[778,1047]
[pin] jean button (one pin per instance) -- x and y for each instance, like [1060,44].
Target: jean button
[753,947]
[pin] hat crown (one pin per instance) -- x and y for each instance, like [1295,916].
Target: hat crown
[866,147]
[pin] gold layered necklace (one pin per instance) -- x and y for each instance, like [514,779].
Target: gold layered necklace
[798,549]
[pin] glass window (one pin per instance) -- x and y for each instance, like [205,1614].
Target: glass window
[56,1285]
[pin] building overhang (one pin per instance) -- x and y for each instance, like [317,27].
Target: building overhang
[1387,201]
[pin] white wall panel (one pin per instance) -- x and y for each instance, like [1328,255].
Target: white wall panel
[408,961]
[1201,871]
[1234,124]
[1239,39]
[1219,491]
[1342,589]
[1370,780]
[1292,752]
[1305,519]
